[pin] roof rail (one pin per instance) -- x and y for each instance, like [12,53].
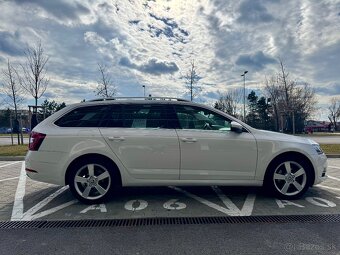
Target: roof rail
[138,98]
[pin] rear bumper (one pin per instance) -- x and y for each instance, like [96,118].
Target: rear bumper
[47,166]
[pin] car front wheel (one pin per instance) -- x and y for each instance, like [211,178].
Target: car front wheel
[288,178]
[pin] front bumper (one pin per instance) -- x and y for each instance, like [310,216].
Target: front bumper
[320,166]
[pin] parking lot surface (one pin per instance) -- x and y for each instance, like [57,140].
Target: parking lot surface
[24,199]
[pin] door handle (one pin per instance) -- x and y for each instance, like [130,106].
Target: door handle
[116,138]
[189,140]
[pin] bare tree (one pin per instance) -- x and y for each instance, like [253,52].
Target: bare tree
[229,102]
[334,112]
[105,87]
[34,80]
[291,101]
[12,89]
[273,92]
[191,80]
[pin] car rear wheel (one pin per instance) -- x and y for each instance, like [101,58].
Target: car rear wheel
[288,178]
[92,181]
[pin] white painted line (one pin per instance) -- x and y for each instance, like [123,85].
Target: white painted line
[7,179]
[100,207]
[172,204]
[30,213]
[18,206]
[53,210]
[246,210]
[226,201]
[204,201]
[142,205]
[334,167]
[326,187]
[333,178]
[9,164]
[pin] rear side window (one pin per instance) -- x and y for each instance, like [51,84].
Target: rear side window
[141,116]
[89,116]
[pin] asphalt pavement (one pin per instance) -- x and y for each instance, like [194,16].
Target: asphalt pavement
[24,199]
[242,238]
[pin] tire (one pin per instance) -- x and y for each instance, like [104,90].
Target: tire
[288,178]
[92,181]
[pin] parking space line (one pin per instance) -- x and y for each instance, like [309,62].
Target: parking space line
[30,213]
[226,201]
[231,209]
[8,179]
[333,178]
[326,187]
[334,167]
[53,210]
[9,164]
[204,201]
[18,206]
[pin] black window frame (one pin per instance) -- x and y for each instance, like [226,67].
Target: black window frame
[99,123]
[198,108]
[172,122]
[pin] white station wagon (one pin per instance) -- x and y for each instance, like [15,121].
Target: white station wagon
[97,146]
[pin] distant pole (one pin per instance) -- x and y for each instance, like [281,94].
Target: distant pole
[144,89]
[244,94]
[293,123]
[10,123]
[22,136]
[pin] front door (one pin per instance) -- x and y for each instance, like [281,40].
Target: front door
[210,150]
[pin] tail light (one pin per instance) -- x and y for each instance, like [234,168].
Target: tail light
[36,140]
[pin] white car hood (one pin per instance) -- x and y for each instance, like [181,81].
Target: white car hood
[275,136]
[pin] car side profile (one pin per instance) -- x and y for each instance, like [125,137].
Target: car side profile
[97,146]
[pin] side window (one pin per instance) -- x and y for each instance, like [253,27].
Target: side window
[139,116]
[114,117]
[88,116]
[191,117]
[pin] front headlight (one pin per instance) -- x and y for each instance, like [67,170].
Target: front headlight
[317,148]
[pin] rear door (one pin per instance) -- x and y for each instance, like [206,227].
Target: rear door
[143,138]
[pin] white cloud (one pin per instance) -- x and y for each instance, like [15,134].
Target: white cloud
[224,37]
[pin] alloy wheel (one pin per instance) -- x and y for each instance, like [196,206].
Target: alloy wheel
[290,178]
[92,181]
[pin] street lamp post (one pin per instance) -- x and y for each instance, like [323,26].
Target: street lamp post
[244,94]
[144,89]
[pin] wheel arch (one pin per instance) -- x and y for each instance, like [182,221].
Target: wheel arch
[291,154]
[96,156]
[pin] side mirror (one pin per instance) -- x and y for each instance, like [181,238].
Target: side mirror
[236,127]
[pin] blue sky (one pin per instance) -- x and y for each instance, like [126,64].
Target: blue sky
[151,43]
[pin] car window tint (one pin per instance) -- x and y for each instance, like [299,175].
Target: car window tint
[114,117]
[147,116]
[191,117]
[90,116]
